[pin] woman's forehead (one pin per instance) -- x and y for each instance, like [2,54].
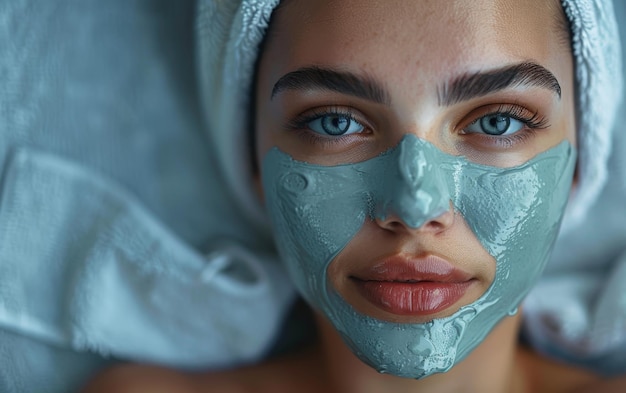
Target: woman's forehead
[424,37]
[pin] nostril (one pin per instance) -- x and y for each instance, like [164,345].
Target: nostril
[441,222]
[436,223]
[390,225]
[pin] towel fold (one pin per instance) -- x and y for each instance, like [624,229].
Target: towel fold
[133,285]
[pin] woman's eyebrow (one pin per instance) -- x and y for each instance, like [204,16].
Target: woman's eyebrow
[462,88]
[468,86]
[343,82]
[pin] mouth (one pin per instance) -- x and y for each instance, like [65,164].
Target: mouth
[413,286]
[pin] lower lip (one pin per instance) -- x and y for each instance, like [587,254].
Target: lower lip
[413,298]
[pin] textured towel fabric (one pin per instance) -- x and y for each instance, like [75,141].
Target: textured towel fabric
[117,236]
[584,320]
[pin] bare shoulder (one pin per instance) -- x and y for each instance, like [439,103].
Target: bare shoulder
[552,376]
[297,373]
[611,385]
[135,378]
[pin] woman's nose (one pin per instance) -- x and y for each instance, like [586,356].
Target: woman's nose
[415,192]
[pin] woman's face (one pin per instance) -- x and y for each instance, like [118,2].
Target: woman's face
[342,82]
[443,71]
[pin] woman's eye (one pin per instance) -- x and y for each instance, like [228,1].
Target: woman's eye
[495,124]
[335,124]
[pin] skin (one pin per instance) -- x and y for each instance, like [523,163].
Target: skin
[411,48]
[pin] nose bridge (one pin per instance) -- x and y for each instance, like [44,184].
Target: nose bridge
[412,166]
[417,191]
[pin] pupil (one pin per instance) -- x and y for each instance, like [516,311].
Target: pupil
[496,125]
[336,125]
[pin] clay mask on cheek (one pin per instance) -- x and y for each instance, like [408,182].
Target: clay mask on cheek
[514,212]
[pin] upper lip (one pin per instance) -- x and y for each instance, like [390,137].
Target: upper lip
[402,268]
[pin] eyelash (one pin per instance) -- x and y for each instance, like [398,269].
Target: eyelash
[515,111]
[532,120]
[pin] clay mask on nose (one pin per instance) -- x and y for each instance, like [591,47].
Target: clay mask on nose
[421,192]
[514,213]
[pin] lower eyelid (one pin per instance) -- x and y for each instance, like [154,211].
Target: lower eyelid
[506,141]
[319,142]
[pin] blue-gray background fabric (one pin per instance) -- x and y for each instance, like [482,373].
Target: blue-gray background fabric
[115,232]
[79,80]
[112,88]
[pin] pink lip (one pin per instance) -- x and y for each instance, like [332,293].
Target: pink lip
[415,286]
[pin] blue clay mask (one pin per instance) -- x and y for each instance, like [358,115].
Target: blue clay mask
[514,212]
